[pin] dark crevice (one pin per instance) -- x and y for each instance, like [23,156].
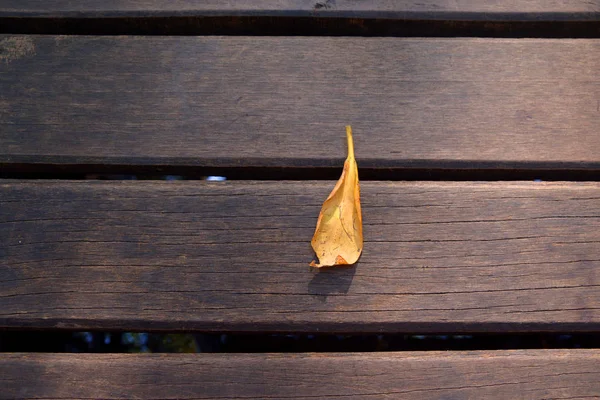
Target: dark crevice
[274,25]
[162,172]
[123,342]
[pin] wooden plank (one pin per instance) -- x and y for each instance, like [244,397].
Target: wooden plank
[531,374]
[233,256]
[283,102]
[423,9]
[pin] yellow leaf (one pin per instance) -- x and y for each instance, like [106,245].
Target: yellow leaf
[338,238]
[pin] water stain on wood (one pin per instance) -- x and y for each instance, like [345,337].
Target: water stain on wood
[13,48]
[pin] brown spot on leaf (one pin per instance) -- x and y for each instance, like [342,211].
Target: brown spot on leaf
[339,260]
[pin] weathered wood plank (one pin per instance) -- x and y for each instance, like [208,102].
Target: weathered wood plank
[234,256]
[424,9]
[283,102]
[531,374]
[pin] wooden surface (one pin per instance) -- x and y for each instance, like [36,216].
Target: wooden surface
[281,102]
[233,256]
[530,374]
[423,9]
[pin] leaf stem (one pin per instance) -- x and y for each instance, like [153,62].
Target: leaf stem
[350,141]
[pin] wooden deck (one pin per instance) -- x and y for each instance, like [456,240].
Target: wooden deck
[432,103]
[452,136]
[233,256]
[423,375]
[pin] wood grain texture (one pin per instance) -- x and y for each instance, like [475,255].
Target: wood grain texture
[531,374]
[233,256]
[423,9]
[283,102]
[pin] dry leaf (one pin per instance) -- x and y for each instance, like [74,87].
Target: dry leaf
[338,238]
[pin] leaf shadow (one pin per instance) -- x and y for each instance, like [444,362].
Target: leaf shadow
[331,280]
